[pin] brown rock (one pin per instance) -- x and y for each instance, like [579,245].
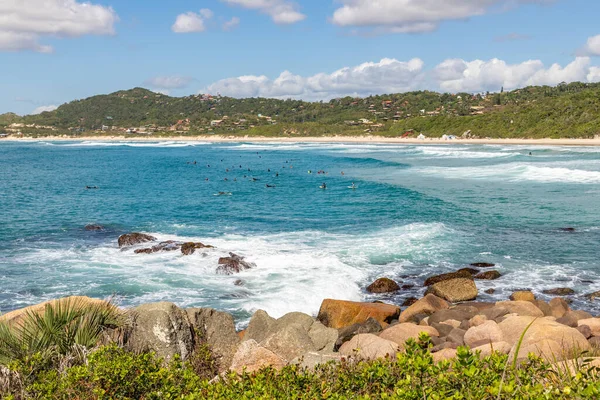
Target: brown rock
[233,264]
[130,239]
[495,313]
[559,307]
[443,355]
[251,357]
[490,291]
[450,314]
[488,275]
[559,291]
[409,302]
[522,308]
[94,227]
[340,313]
[457,336]
[571,318]
[383,285]
[323,338]
[455,290]
[487,332]
[260,327]
[490,348]
[190,247]
[444,277]
[169,245]
[585,331]
[483,265]
[592,323]
[427,305]
[595,342]
[523,295]
[345,334]
[593,296]
[369,347]
[289,341]
[471,271]
[400,333]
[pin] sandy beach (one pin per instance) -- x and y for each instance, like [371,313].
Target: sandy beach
[323,139]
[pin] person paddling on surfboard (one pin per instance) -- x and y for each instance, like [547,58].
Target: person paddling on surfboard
[323,186]
[353,186]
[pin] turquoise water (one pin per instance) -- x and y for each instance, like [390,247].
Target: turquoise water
[418,210]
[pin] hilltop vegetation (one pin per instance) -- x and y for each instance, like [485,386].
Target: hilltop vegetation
[567,110]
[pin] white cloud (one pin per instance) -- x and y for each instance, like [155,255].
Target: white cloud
[281,11]
[42,109]
[386,76]
[24,22]
[231,24]
[592,46]
[192,22]
[456,75]
[414,16]
[594,74]
[169,82]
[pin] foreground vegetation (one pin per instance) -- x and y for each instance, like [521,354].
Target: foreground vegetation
[567,110]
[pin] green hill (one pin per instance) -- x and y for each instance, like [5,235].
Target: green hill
[567,110]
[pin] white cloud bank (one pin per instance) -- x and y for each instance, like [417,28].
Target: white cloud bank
[415,16]
[392,76]
[592,47]
[42,109]
[24,22]
[281,11]
[190,22]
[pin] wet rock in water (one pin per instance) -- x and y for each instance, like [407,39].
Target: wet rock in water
[482,265]
[567,229]
[559,291]
[522,295]
[144,251]
[129,239]
[169,245]
[93,227]
[407,286]
[593,296]
[455,290]
[488,275]
[239,282]
[409,302]
[490,291]
[345,334]
[233,264]
[340,313]
[190,247]
[471,271]
[445,277]
[383,285]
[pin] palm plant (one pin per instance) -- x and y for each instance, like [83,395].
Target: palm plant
[63,327]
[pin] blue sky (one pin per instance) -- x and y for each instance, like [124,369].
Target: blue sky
[54,51]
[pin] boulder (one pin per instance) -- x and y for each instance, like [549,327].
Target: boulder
[323,338]
[586,331]
[94,227]
[593,296]
[592,323]
[130,239]
[190,247]
[571,318]
[289,341]
[217,329]
[471,271]
[443,355]
[169,245]
[522,308]
[260,327]
[450,314]
[400,333]
[485,333]
[594,342]
[559,291]
[305,321]
[522,295]
[427,305]
[233,264]
[477,320]
[544,307]
[559,307]
[490,291]
[312,359]
[340,313]
[369,326]
[442,328]
[495,313]
[457,336]
[251,357]
[455,290]
[482,265]
[369,347]
[409,302]
[545,337]
[383,285]
[488,275]
[490,348]
[444,277]
[162,328]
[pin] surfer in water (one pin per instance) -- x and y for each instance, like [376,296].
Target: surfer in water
[353,186]
[323,186]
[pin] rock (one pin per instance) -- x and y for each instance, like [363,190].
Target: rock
[217,330]
[233,264]
[471,271]
[567,229]
[495,313]
[559,291]
[312,359]
[490,291]
[131,239]
[592,323]
[443,329]
[545,337]
[409,302]
[444,277]
[427,305]
[477,320]
[383,285]
[593,296]
[594,341]
[369,347]
[487,332]
[169,245]
[190,247]
[455,290]
[585,330]
[289,341]
[260,326]
[457,336]
[544,307]
[345,334]
[571,318]
[407,286]
[323,338]
[93,227]
[400,333]
[488,275]
[482,265]
[295,318]
[559,307]
[340,313]
[443,345]
[490,348]
[251,357]
[522,295]
[449,314]
[443,355]
[162,328]
[522,308]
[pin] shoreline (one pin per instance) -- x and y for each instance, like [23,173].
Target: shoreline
[317,139]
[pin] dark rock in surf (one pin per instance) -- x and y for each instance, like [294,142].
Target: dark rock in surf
[383,285]
[482,265]
[488,275]
[409,302]
[445,277]
[93,227]
[130,239]
[190,247]
[567,229]
[472,271]
[559,291]
[490,291]
[593,296]
[233,264]
[169,245]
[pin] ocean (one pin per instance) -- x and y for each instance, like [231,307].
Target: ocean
[417,210]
